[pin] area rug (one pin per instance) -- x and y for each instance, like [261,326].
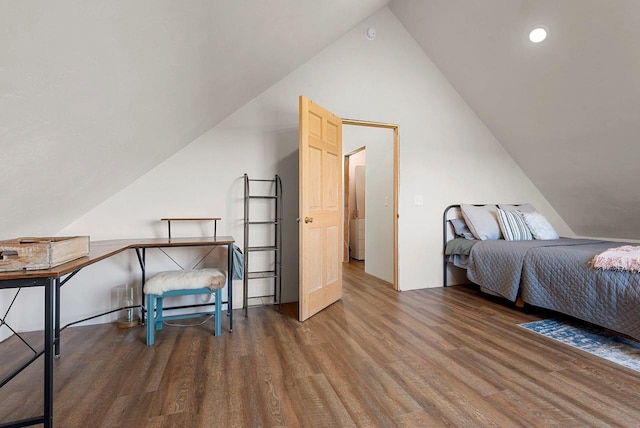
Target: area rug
[591,339]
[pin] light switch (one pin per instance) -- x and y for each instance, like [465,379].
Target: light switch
[418,200]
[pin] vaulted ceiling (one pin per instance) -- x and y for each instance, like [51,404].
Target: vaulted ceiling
[566,109]
[94,95]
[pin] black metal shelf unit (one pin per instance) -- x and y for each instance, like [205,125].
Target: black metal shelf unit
[274,247]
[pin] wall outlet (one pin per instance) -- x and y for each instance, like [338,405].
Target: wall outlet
[418,200]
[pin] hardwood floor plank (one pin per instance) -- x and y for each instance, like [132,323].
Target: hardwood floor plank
[211,405]
[441,397]
[318,404]
[601,396]
[360,380]
[279,411]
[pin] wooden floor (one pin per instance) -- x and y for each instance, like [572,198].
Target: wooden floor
[436,357]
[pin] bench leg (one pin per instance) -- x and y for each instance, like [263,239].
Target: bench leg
[218,314]
[159,313]
[150,319]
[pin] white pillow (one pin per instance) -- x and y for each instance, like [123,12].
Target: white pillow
[513,226]
[540,226]
[482,221]
[461,228]
[525,208]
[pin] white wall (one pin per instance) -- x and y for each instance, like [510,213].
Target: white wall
[379,195]
[446,154]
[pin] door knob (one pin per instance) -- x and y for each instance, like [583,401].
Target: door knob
[308,219]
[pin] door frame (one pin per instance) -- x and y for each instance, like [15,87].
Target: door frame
[396,183]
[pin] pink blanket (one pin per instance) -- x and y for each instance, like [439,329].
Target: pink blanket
[620,258]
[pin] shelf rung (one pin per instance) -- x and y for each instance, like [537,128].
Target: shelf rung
[271,300]
[262,197]
[264,248]
[264,222]
[261,297]
[262,274]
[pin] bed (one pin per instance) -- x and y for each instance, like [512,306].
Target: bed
[554,274]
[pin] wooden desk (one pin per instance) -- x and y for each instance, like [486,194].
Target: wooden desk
[52,280]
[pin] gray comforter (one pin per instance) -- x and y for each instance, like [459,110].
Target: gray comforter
[560,279]
[497,265]
[556,275]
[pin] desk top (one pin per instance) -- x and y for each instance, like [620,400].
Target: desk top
[100,250]
[189,218]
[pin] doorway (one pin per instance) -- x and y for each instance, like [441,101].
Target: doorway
[372,213]
[355,216]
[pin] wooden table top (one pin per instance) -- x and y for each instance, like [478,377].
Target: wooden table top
[100,250]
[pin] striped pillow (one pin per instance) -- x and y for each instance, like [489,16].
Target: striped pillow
[513,226]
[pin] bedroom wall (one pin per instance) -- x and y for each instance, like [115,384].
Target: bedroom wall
[447,155]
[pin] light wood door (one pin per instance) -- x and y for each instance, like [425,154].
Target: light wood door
[320,210]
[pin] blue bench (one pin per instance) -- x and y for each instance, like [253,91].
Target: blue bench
[182,283]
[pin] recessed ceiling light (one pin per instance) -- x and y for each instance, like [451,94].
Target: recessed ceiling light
[538,34]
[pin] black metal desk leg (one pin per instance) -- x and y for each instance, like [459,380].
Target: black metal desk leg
[49,291]
[230,285]
[56,338]
[142,256]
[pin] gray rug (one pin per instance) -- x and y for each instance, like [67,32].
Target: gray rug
[591,339]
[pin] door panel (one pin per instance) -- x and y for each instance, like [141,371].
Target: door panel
[331,180]
[333,261]
[315,178]
[320,208]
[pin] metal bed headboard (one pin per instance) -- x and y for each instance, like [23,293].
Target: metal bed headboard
[447,230]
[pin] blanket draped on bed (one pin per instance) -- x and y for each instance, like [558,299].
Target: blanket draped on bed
[497,265]
[556,275]
[626,257]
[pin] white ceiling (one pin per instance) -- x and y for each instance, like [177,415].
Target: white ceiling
[567,109]
[95,94]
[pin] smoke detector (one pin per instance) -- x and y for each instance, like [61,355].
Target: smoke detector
[370,33]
